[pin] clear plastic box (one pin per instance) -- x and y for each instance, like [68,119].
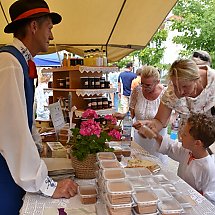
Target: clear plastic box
[88,194]
[146,201]
[105,156]
[131,173]
[170,207]
[135,213]
[153,182]
[105,164]
[161,193]
[144,171]
[182,199]
[161,178]
[169,187]
[119,192]
[138,183]
[113,174]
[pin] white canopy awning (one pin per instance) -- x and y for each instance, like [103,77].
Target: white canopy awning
[121,26]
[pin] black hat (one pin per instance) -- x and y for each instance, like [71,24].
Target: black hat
[26,9]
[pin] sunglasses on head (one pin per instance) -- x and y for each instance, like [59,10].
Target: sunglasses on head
[201,56]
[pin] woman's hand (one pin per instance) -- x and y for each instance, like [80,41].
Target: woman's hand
[66,188]
[119,116]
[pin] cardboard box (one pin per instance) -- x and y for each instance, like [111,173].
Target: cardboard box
[56,150]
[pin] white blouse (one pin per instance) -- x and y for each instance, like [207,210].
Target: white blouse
[198,173]
[16,142]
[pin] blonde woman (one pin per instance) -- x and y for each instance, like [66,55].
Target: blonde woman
[145,100]
[191,90]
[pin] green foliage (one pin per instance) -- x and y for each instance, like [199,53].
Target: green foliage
[152,54]
[197,26]
[81,146]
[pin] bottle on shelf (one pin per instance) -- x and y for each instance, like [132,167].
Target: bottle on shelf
[127,126]
[69,60]
[64,61]
[104,57]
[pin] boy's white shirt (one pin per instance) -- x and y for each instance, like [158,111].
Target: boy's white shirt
[200,173]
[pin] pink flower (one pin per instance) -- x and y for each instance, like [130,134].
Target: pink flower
[115,134]
[111,118]
[90,114]
[90,127]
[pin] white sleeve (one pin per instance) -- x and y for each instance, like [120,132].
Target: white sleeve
[17,145]
[173,149]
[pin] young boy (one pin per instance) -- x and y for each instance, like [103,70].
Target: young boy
[196,165]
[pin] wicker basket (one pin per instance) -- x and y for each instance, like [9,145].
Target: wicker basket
[85,169]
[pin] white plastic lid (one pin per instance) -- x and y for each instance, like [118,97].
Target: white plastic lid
[113,174]
[145,196]
[161,178]
[105,164]
[119,187]
[106,156]
[138,183]
[131,172]
[169,187]
[170,206]
[161,193]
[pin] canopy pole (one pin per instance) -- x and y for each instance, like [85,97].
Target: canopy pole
[4,12]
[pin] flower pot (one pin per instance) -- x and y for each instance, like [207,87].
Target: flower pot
[85,169]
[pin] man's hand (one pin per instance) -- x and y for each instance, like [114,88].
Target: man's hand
[66,188]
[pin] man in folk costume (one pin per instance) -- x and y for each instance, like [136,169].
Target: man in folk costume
[20,164]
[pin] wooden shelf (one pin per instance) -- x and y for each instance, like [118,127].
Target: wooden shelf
[101,112]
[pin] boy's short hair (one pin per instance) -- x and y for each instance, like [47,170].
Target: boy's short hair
[202,128]
[128,65]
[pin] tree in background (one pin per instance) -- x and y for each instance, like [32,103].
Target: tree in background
[152,54]
[196,26]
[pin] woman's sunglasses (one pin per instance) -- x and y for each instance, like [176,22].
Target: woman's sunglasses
[201,56]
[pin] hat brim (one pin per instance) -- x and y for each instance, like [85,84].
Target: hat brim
[11,27]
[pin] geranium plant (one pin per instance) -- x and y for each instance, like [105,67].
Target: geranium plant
[90,138]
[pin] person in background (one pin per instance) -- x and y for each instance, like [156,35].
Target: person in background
[124,86]
[113,78]
[190,90]
[136,82]
[196,165]
[201,58]
[21,167]
[41,98]
[144,103]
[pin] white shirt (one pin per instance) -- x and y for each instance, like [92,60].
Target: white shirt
[16,142]
[198,173]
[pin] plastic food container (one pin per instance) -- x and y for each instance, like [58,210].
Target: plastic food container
[126,151]
[153,182]
[169,187]
[88,194]
[170,207]
[113,174]
[119,192]
[106,164]
[124,209]
[138,183]
[146,201]
[182,199]
[135,213]
[161,178]
[161,193]
[131,173]
[106,156]
[144,171]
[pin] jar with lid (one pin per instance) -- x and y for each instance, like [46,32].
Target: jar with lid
[104,102]
[109,104]
[107,84]
[99,103]
[61,83]
[91,82]
[97,82]
[67,82]
[84,82]
[88,102]
[50,84]
[94,103]
[102,82]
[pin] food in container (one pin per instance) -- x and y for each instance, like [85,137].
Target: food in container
[88,194]
[117,150]
[169,187]
[147,132]
[120,209]
[112,174]
[170,207]
[138,183]
[131,173]
[106,156]
[105,164]
[135,213]
[146,201]
[126,151]
[119,192]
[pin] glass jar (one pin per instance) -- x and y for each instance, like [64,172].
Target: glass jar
[67,82]
[94,103]
[61,83]
[99,103]
[88,102]
[102,82]
[109,104]
[97,82]
[91,82]
[104,102]
[107,84]
[84,82]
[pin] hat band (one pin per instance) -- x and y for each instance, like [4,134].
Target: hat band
[32,12]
